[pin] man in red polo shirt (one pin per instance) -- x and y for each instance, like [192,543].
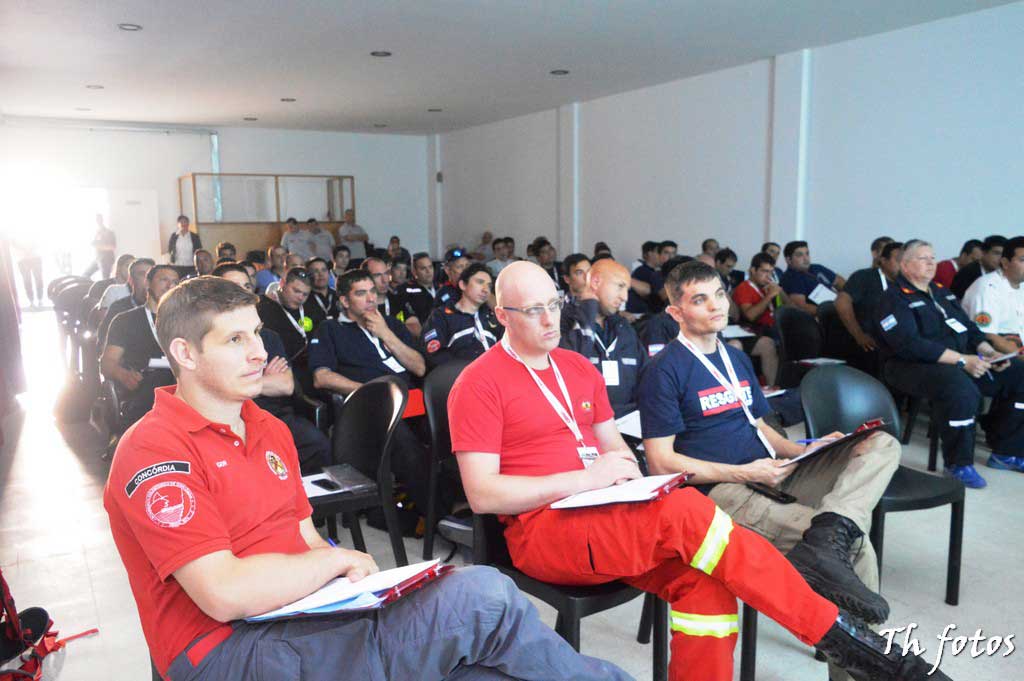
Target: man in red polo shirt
[531,424]
[208,513]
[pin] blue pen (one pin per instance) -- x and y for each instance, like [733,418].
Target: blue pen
[332,542]
[808,442]
[987,373]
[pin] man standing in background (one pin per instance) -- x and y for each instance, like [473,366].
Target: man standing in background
[183,243]
[352,235]
[105,243]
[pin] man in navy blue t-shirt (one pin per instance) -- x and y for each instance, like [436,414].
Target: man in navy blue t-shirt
[806,284]
[693,420]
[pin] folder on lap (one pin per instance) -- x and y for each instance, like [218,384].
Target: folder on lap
[374,591]
[641,489]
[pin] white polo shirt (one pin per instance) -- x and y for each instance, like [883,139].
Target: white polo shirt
[994,305]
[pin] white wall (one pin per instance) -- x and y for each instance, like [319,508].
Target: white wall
[681,161]
[139,170]
[910,133]
[502,177]
[391,186]
[918,133]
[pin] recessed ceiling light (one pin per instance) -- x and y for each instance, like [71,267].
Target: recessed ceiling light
[380,53]
[130,27]
[287,99]
[82,108]
[380,125]
[560,72]
[434,110]
[249,118]
[93,87]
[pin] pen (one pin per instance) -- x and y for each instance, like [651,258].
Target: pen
[332,543]
[987,373]
[812,440]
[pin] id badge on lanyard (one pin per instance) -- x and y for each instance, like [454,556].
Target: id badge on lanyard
[586,453]
[609,366]
[732,384]
[387,360]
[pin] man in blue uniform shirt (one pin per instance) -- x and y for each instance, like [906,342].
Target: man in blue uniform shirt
[806,283]
[455,261]
[593,327]
[690,405]
[466,328]
[933,350]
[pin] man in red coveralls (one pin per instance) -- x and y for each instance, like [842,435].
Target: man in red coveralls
[531,424]
[208,512]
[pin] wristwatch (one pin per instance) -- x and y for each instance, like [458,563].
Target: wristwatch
[961,363]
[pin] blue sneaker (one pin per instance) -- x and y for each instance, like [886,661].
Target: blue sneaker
[1006,463]
[967,475]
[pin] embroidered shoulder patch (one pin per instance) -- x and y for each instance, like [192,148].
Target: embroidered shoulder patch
[430,335]
[983,319]
[889,323]
[157,469]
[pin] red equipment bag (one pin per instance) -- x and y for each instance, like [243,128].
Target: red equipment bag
[26,639]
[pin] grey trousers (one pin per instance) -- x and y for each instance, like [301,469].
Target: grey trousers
[838,483]
[472,624]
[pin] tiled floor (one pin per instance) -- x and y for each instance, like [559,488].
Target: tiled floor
[56,551]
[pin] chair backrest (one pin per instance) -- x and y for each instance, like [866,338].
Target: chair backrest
[838,397]
[54,287]
[799,335]
[363,435]
[69,298]
[436,387]
[489,546]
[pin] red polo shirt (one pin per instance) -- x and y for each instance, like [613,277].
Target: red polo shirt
[496,407]
[182,487]
[749,294]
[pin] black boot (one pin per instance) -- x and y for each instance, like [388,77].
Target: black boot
[850,645]
[823,559]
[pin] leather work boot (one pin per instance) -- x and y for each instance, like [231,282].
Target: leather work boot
[823,559]
[849,644]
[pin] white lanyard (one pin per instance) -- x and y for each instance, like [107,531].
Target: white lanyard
[568,418]
[387,306]
[297,325]
[376,342]
[152,326]
[321,304]
[607,350]
[732,385]
[885,281]
[480,331]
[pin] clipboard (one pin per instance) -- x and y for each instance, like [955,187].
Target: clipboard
[650,488]
[369,593]
[862,433]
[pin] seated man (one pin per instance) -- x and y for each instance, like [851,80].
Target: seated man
[132,357]
[279,386]
[389,304]
[325,297]
[646,284]
[759,296]
[593,327]
[119,288]
[292,316]
[574,275]
[502,255]
[455,260]
[208,513]
[991,254]
[531,424]
[363,345]
[773,250]
[418,294]
[139,288]
[226,249]
[202,260]
[995,301]
[806,282]
[274,270]
[857,306]
[659,330]
[970,252]
[399,274]
[932,349]
[342,256]
[466,328]
[546,258]
[689,407]
[396,252]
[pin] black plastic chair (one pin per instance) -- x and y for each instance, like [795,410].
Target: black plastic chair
[363,436]
[572,603]
[435,398]
[799,338]
[842,398]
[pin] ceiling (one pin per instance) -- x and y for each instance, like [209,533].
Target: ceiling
[213,62]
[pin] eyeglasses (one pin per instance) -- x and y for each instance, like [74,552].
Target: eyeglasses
[536,311]
[298,273]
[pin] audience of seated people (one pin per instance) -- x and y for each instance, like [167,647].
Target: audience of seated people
[326,327]
[991,253]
